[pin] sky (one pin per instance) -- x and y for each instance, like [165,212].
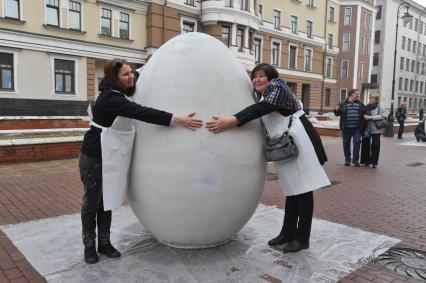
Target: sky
[421,2]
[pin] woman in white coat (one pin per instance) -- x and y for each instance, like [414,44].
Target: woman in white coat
[298,178]
[106,152]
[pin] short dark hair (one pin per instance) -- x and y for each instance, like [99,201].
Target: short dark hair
[352,91]
[270,71]
[111,69]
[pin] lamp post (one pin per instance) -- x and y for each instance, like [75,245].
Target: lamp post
[405,18]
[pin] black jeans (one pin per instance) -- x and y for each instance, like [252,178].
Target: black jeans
[92,208]
[370,149]
[401,128]
[299,210]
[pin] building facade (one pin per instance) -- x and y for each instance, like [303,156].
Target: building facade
[410,76]
[52,51]
[356,31]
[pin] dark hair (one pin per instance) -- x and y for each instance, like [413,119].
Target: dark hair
[352,91]
[270,71]
[111,70]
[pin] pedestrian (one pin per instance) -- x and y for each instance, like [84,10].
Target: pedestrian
[421,113]
[351,118]
[370,147]
[299,177]
[401,115]
[106,142]
[300,104]
[419,132]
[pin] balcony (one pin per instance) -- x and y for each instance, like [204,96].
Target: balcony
[214,11]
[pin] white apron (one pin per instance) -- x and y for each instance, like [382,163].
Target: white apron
[304,173]
[117,147]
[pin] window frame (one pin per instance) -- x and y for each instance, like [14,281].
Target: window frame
[309,29]
[19,18]
[229,34]
[294,24]
[188,20]
[276,43]
[274,22]
[348,42]
[347,69]
[345,16]
[74,11]
[332,16]
[260,39]
[111,32]
[121,21]
[290,45]
[13,89]
[242,29]
[58,14]
[310,59]
[74,85]
[329,70]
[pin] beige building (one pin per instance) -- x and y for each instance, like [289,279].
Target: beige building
[52,51]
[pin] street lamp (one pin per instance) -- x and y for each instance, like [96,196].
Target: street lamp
[406,18]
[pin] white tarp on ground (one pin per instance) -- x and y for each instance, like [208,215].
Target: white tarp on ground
[413,143]
[53,246]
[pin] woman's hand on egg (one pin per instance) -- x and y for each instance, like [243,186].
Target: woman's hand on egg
[188,121]
[219,124]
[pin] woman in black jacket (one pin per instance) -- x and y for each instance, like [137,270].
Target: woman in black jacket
[277,104]
[117,84]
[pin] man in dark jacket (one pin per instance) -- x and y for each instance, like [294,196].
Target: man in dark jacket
[350,112]
[401,115]
[420,132]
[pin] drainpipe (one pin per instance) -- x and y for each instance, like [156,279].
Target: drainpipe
[164,21]
[323,58]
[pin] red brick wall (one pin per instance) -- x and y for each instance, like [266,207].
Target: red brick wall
[22,124]
[39,152]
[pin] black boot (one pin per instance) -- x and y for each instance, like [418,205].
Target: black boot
[295,246]
[278,240]
[109,251]
[90,255]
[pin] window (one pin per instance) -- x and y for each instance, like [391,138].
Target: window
[346,42]
[406,84]
[275,53]
[187,27]
[292,57]
[379,12]
[52,12]
[124,25]
[106,22]
[361,70]
[240,39]
[308,59]
[189,2]
[419,48]
[411,85]
[362,44]
[309,29]
[6,71]
[377,37]
[257,50]
[227,3]
[343,94]
[277,19]
[401,63]
[421,27]
[11,9]
[75,15]
[367,46]
[403,42]
[369,21]
[250,40]
[330,41]
[345,69]
[423,68]
[376,59]
[416,89]
[418,67]
[374,79]
[243,4]
[261,11]
[348,17]
[329,67]
[409,45]
[407,64]
[331,15]
[226,32]
[293,24]
[412,65]
[311,3]
[421,87]
[411,24]
[364,22]
[400,83]
[64,76]
[414,46]
[416,24]
[327,97]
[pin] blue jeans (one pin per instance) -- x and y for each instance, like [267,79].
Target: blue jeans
[347,135]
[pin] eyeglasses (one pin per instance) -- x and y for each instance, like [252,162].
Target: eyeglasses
[119,63]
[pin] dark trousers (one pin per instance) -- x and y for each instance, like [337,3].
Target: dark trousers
[299,210]
[92,208]
[421,137]
[401,128]
[347,135]
[370,149]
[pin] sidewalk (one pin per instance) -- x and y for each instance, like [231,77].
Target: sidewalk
[388,200]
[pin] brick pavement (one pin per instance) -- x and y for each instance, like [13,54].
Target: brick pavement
[388,200]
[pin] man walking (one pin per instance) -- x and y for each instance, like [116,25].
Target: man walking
[401,115]
[350,112]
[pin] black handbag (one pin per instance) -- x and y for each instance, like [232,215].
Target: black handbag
[282,148]
[381,124]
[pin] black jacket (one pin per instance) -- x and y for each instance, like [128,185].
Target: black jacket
[342,113]
[420,129]
[108,106]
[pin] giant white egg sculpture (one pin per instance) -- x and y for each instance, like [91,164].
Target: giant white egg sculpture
[195,189]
